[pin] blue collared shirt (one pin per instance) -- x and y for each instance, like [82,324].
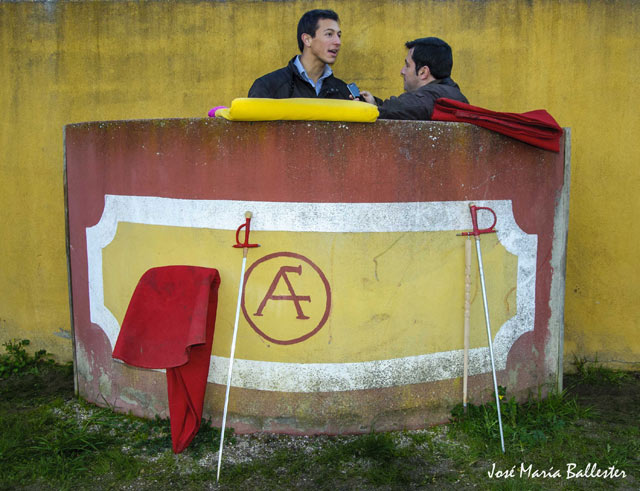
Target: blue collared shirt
[316,85]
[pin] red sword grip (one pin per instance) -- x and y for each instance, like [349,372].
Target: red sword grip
[247,226]
[474,220]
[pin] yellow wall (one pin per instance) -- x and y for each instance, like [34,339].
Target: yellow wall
[64,62]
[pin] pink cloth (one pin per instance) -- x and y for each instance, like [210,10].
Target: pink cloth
[534,127]
[169,324]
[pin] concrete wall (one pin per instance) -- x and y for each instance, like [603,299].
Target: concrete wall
[352,312]
[64,62]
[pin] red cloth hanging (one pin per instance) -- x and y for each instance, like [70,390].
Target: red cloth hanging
[534,127]
[169,324]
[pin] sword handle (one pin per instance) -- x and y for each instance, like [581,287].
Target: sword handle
[247,226]
[474,218]
[477,231]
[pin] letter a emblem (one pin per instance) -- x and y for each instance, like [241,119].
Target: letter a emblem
[296,299]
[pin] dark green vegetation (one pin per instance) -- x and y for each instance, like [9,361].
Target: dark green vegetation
[51,440]
[16,360]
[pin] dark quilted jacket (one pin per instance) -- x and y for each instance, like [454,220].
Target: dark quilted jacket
[287,82]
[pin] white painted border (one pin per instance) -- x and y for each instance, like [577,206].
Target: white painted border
[338,218]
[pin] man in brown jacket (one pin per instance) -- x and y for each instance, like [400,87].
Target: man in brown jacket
[426,73]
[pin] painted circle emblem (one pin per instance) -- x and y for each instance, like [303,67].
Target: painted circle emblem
[289,298]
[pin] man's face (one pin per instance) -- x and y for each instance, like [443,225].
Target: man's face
[408,72]
[326,43]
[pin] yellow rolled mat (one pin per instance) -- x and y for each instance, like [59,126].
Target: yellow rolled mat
[298,109]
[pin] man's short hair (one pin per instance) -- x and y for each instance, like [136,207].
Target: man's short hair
[433,53]
[309,23]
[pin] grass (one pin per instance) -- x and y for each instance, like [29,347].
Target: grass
[51,440]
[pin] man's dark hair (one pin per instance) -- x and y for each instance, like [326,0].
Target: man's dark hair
[309,23]
[433,53]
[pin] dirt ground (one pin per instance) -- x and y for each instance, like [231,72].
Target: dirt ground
[614,402]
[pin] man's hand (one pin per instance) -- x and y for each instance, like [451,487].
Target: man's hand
[366,95]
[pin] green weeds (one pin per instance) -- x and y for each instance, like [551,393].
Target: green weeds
[525,425]
[595,373]
[16,360]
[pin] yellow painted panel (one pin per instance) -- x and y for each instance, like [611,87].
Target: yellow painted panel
[392,294]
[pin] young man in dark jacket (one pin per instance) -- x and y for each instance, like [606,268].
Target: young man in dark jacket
[308,74]
[426,73]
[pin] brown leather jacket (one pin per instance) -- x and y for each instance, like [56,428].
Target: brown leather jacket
[419,103]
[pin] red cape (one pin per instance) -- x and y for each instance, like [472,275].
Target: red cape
[534,127]
[169,324]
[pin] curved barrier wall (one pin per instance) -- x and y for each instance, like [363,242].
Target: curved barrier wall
[352,317]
